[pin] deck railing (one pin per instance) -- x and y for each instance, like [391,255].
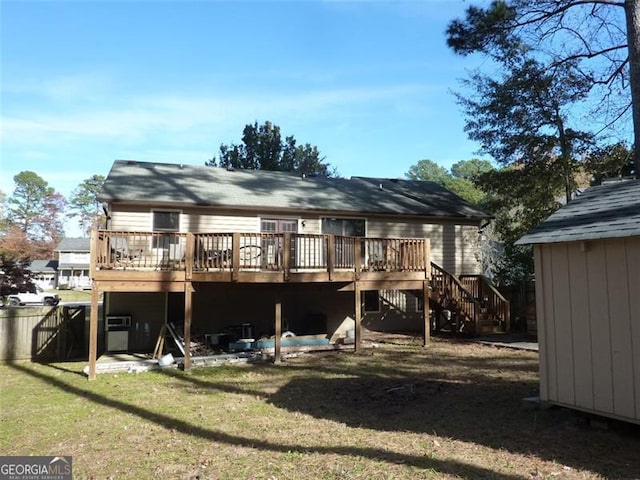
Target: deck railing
[141,250]
[263,252]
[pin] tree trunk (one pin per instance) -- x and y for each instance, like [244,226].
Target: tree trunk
[565,156]
[632,13]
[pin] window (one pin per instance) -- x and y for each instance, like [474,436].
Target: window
[351,227]
[419,303]
[345,227]
[165,221]
[371,301]
[269,225]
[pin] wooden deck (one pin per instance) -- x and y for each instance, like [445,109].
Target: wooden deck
[172,262]
[166,259]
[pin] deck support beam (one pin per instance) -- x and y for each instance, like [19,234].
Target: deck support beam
[277,339]
[93,331]
[358,316]
[188,290]
[426,313]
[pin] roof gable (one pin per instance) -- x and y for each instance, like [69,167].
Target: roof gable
[135,182]
[606,211]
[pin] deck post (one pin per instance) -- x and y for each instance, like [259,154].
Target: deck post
[235,256]
[188,290]
[358,257]
[331,255]
[358,315]
[93,252]
[189,255]
[93,331]
[277,339]
[286,255]
[426,314]
[427,257]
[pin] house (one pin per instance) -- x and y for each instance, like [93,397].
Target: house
[44,273]
[259,253]
[587,267]
[73,263]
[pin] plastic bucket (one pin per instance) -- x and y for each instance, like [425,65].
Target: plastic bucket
[166,360]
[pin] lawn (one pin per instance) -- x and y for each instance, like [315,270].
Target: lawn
[73,295]
[453,410]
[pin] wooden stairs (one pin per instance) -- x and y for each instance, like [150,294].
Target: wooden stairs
[467,305]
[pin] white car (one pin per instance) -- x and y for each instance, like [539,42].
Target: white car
[28,298]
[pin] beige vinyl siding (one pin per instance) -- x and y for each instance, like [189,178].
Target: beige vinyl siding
[130,221]
[589,325]
[199,223]
[453,246]
[195,221]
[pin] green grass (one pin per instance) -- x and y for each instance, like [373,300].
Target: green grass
[73,295]
[398,411]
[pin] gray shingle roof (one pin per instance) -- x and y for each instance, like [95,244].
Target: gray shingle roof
[141,182]
[74,245]
[606,211]
[39,266]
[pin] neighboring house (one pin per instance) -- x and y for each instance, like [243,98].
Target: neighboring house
[73,263]
[587,266]
[212,249]
[44,273]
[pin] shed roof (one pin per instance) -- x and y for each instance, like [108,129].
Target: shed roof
[74,245]
[142,182]
[611,210]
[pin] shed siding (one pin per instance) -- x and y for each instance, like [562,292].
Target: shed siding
[589,325]
[562,310]
[633,248]
[619,317]
[540,328]
[580,328]
[548,316]
[600,327]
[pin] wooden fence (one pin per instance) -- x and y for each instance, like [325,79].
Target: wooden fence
[44,333]
[522,298]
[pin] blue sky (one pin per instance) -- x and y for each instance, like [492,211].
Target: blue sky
[85,83]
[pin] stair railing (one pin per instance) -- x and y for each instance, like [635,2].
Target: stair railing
[451,294]
[493,303]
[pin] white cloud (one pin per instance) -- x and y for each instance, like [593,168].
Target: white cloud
[138,118]
[92,86]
